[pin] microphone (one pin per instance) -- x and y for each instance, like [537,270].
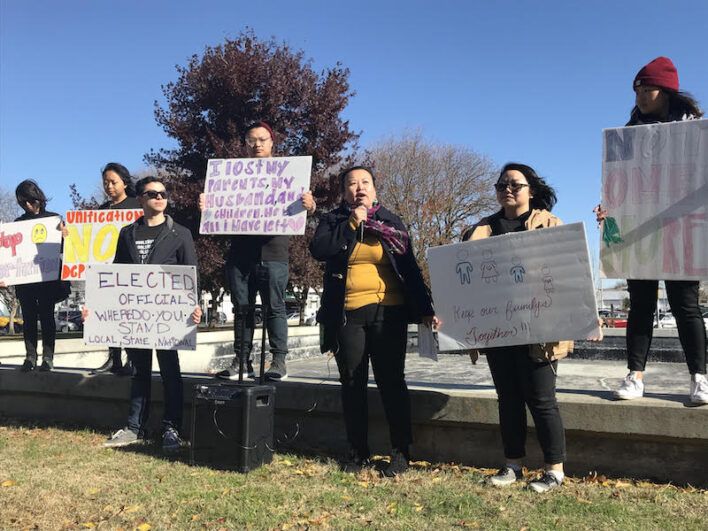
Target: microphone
[360,228]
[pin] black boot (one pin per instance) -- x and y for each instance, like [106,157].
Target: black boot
[106,367]
[398,464]
[28,365]
[47,363]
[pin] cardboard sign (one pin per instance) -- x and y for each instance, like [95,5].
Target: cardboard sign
[141,306]
[255,196]
[30,251]
[516,289]
[655,191]
[92,238]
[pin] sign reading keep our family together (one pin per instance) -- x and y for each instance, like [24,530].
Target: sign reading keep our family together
[655,191]
[516,289]
[255,196]
[30,251]
[92,237]
[141,306]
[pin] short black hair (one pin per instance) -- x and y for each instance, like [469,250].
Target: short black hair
[544,196]
[142,183]
[343,175]
[122,172]
[28,191]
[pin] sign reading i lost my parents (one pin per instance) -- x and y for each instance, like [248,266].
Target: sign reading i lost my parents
[655,191]
[516,289]
[141,306]
[30,251]
[255,196]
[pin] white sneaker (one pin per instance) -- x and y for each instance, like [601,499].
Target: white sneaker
[699,389]
[632,387]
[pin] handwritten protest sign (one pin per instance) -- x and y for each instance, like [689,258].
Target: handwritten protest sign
[141,306]
[255,196]
[655,190]
[92,238]
[516,289]
[30,251]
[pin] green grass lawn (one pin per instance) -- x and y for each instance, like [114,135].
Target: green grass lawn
[59,478]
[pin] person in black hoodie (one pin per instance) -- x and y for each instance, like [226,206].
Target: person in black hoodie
[373,288]
[37,300]
[154,239]
[120,190]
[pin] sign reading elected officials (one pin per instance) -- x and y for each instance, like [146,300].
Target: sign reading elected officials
[255,196]
[655,191]
[30,251]
[92,238]
[516,289]
[141,306]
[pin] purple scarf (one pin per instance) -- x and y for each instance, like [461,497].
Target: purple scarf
[396,239]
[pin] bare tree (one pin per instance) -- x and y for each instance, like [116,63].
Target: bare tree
[438,189]
[9,210]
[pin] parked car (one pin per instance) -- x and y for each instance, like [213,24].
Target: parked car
[615,320]
[69,321]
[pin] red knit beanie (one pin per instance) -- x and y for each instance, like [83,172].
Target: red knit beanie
[661,72]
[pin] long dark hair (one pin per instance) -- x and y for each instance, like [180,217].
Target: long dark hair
[122,172]
[680,103]
[29,191]
[544,196]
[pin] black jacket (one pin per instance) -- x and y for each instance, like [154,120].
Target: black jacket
[333,244]
[173,246]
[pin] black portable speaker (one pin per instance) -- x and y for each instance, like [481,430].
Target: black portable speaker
[232,425]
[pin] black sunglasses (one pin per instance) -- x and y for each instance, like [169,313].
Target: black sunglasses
[515,187]
[152,194]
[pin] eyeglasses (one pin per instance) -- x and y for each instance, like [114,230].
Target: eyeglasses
[155,194]
[252,142]
[514,187]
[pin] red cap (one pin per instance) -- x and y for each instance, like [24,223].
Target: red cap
[661,72]
[264,125]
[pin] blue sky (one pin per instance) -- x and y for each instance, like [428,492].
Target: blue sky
[533,82]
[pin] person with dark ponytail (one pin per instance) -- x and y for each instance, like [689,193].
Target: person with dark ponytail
[525,375]
[37,300]
[659,100]
[120,190]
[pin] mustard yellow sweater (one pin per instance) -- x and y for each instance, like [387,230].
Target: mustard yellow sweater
[371,278]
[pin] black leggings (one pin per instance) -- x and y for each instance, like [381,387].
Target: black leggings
[35,304]
[683,300]
[379,333]
[521,382]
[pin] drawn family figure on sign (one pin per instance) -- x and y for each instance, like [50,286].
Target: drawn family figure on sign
[489,268]
[464,269]
[517,271]
[547,280]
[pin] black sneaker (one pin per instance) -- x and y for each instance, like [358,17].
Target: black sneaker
[106,367]
[398,464]
[27,366]
[545,483]
[353,462]
[125,370]
[171,441]
[277,370]
[505,477]
[47,365]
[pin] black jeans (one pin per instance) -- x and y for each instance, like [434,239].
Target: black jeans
[376,332]
[683,300]
[140,389]
[270,280]
[521,382]
[35,304]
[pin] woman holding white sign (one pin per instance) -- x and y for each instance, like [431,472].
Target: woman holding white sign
[373,288]
[37,300]
[658,100]
[525,375]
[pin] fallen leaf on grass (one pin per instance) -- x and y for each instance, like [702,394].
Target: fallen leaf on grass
[391,507]
[8,483]
[363,484]
[88,525]
[417,507]
[436,480]
[131,509]
[144,527]
[622,484]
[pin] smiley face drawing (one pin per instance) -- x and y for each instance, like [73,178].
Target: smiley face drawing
[39,233]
